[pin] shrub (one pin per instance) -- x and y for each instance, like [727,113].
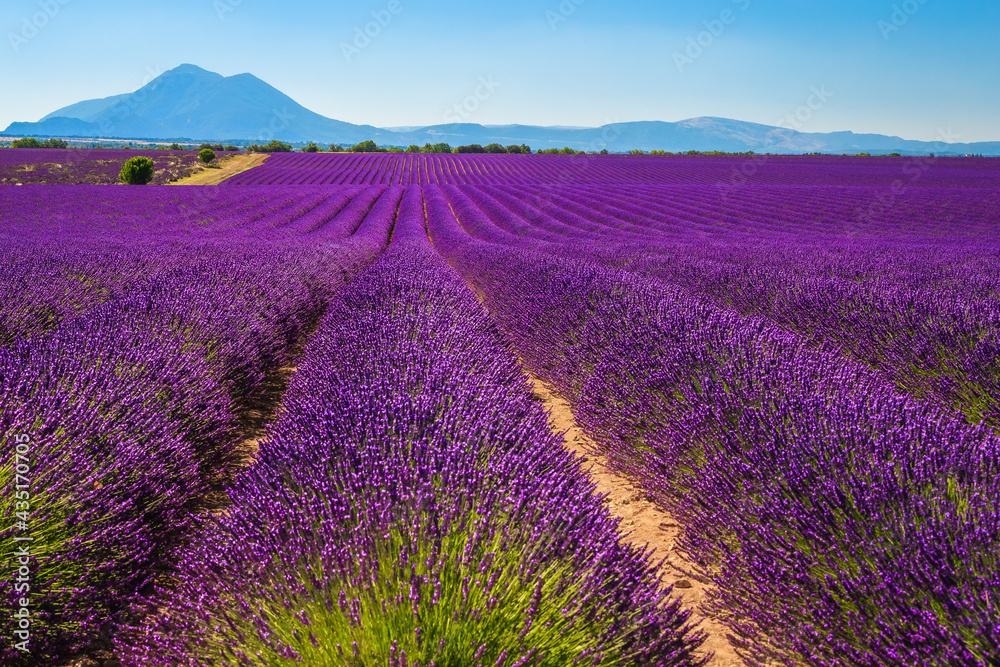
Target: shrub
[206,155]
[367,146]
[26,143]
[137,170]
[274,146]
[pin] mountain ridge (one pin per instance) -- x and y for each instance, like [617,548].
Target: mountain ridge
[192,103]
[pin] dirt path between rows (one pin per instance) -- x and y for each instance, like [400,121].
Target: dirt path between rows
[227,167]
[641,523]
[256,420]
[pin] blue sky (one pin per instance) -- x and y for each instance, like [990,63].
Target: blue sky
[913,68]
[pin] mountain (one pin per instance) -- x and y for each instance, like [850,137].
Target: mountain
[188,101]
[192,103]
[702,134]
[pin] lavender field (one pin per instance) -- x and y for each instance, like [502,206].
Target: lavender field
[87,166]
[796,358]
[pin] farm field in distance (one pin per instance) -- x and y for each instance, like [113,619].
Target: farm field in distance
[87,166]
[295,417]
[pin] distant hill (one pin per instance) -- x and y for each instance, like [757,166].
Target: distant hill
[188,101]
[192,103]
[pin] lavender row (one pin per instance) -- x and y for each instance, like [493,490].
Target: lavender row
[412,508]
[924,310]
[841,522]
[66,251]
[726,175]
[134,404]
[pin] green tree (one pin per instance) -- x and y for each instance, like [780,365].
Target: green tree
[274,146]
[176,147]
[441,148]
[311,148]
[137,170]
[413,148]
[206,155]
[336,148]
[28,142]
[367,146]
[232,149]
[496,148]
[55,143]
[471,148]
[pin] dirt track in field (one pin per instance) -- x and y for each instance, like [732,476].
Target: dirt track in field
[256,420]
[227,167]
[641,523]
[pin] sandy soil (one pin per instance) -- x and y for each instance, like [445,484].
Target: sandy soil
[226,168]
[642,524]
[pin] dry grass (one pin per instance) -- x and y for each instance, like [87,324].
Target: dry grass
[226,167]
